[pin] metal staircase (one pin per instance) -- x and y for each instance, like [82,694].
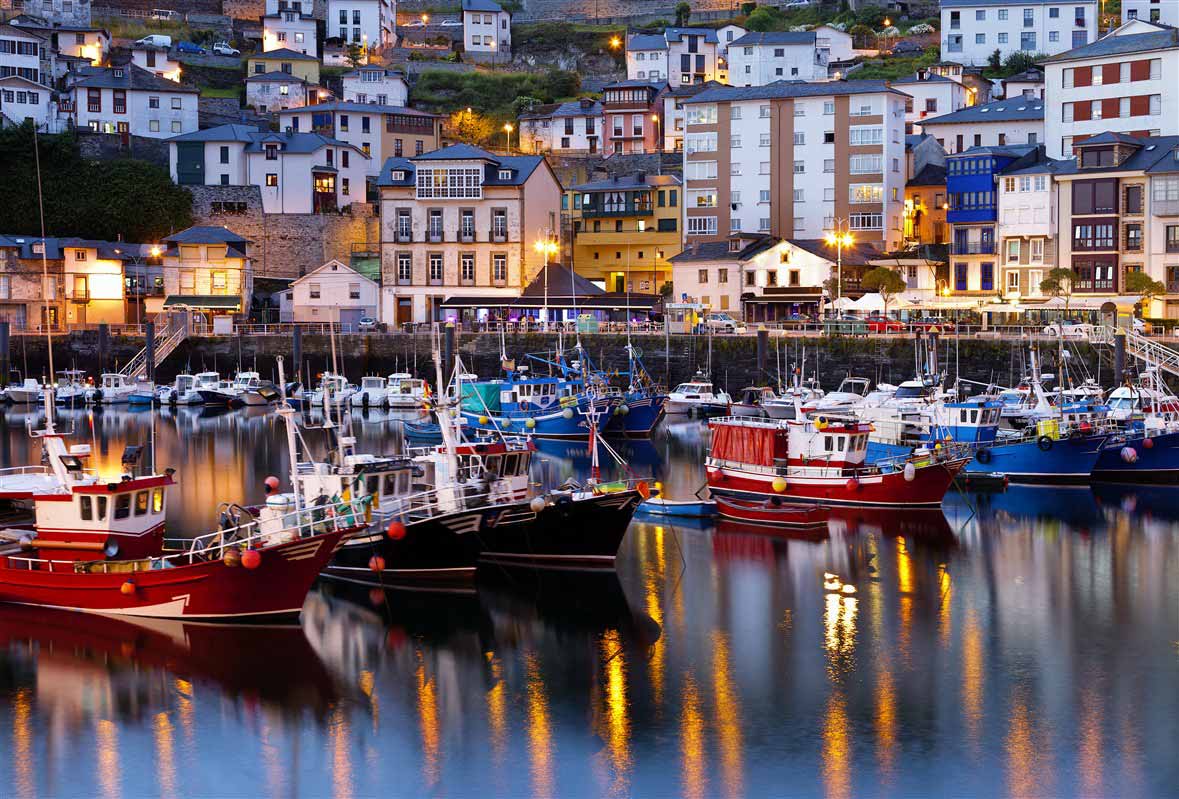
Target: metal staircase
[1140,347]
[166,343]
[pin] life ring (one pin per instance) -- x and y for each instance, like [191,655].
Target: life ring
[1044,443]
[983,455]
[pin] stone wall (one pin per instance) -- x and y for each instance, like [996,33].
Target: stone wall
[287,245]
[107,146]
[108,8]
[243,9]
[635,11]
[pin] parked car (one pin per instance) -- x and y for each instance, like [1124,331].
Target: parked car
[367,324]
[722,323]
[907,47]
[931,322]
[450,23]
[190,48]
[1069,328]
[154,40]
[884,324]
[224,48]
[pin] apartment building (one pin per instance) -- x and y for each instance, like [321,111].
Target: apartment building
[625,228]
[377,84]
[460,223]
[572,128]
[1028,84]
[130,100]
[631,117]
[487,30]
[672,125]
[1163,12]
[678,56]
[379,131]
[24,54]
[971,30]
[756,59]
[796,160]
[1118,204]
[931,95]
[296,173]
[207,269]
[369,23]
[285,60]
[290,30]
[1125,82]
[1027,225]
[998,123]
[23,100]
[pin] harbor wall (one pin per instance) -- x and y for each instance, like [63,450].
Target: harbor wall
[671,359]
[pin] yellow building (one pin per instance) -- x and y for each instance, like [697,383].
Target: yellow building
[299,65]
[626,225]
[93,279]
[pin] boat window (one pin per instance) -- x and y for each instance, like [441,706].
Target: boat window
[102,509]
[372,484]
[510,465]
[828,444]
[157,500]
[390,484]
[842,443]
[86,507]
[122,506]
[491,464]
[973,417]
[140,502]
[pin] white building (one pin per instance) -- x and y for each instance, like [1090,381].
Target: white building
[796,158]
[278,91]
[304,7]
[1028,84]
[335,293]
[368,23]
[24,53]
[1125,82]
[76,41]
[22,100]
[487,30]
[131,100]
[373,83]
[296,173]
[1164,12]
[156,60]
[379,131]
[290,30]
[1026,229]
[678,56]
[1019,120]
[834,44]
[756,59]
[673,113]
[971,30]
[574,127]
[931,95]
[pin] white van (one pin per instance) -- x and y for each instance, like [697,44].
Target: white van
[155,40]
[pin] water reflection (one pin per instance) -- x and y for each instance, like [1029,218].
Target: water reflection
[1020,643]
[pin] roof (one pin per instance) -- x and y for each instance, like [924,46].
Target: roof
[345,105]
[1032,75]
[32,22]
[457,152]
[785,89]
[677,34]
[133,79]
[220,302]
[339,266]
[32,83]
[1154,154]
[54,246]
[241,133]
[573,108]
[1120,44]
[1005,3]
[388,73]
[255,139]
[858,254]
[206,234]
[692,89]
[1004,150]
[16,30]
[275,76]
[646,41]
[632,181]
[282,54]
[774,37]
[562,282]
[1013,110]
[719,250]
[930,175]
[635,83]
[482,5]
[929,77]
[521,166]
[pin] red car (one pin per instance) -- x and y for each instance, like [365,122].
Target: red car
[884,324]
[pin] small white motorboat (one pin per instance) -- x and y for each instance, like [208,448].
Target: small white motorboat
[406,392]
[71,387]
[697,396]
[373,393]
[114,389]
[29,390]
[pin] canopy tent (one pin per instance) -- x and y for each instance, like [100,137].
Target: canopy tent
[843,304]
[871,301]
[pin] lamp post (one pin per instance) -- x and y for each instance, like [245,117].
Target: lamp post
[658,138]
[154,252]
[547,247]
[839,238]
[508,136]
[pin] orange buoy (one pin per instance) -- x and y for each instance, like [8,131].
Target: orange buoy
[1148,443]
[853,484]
[376,596]
[376,563]
[643,489]
[396,530]
[128,588]
[271,483]
[251,558]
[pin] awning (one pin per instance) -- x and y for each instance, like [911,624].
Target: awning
[204,302]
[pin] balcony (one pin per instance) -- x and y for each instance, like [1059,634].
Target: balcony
[973,248]
[466,236]
[498,236]
[434,236]
[593,212]
[81,297]
[403,236]
[590,238]
[1165,208]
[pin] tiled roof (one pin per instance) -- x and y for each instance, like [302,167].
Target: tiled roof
[1005,3]
[239,133]
[929,77]
[774,37]
[787,89]
[344,105]
[676,34]
[858,254]
[282,54]
[646,41]
[135,79]
[1155,155]
[633,181]
[573,108]
[1120,45]
[1014,110]
[521,166]
[482,5]
[719,250]
[930,175]
[206,234]
[275,76]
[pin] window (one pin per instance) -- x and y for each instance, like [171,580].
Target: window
[799,138]
[499,268]
[859,136]
[1037,256]
[735,142]
[866,221]
[703,114]
[763,224]
[1029,18]
[175,103]
[702,198]
[701,225]
[1003,14]
[700,143]
[701,170]
[1133,237]
[828,164]
[828,107]
[404,267]
[1165,190]
[763,168]
[763,196]
[122,506]
[1013,251]
[702,276]
[450,183]
[763,111]
[980,38]
[799,167]
[764,140]
[141,498]
[467,268]
[1013,281]
[1002,38]
[435,262]
[272,179]
[865,193]
[86,508]
[865,164]
[1027,41]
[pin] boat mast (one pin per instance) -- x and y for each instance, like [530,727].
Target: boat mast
[288,413]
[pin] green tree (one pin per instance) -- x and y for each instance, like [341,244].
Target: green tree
[872,16]
[524,103]
[765,19]
[1059,283]
[747,9]
[683,12]
[1141,283]
[355,55]
[1020,61]
[995,60]
[886,282]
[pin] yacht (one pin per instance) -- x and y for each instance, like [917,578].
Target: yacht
[697,396]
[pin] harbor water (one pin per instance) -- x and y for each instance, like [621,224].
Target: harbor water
[1015,643]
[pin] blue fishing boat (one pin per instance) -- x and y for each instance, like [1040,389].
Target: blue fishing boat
[1140,456]
[642,400]
[549,407]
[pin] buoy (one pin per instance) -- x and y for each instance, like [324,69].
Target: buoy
[232,557]
[396,530]
[376,597]
[623,409]
[251,558]
[483,420]
[376,563]
[567,413]
[1148,443]
[820,422]
[537,504]
[128,588]
[643,489]
[530,423]
[1129,454]
[853,484]
[910,472]
[271,483]
[779,484]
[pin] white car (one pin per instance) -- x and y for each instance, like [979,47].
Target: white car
[722,323]
[223,48]
[1069,328]
[450,23]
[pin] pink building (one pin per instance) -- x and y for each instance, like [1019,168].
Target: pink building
[633,111]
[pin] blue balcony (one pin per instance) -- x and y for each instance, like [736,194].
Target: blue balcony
[975,215]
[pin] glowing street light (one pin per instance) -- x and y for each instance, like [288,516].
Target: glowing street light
[546,247]
[508,136]
[839,238]
[615,42]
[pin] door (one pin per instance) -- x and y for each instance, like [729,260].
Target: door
[190,163]
[349,319]
[404,310]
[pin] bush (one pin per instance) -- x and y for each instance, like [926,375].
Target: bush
[872,16]
[921,28]
[764,19]
[491,94]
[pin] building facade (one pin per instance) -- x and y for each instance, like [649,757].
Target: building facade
[796,161]
[286,61]
[971,30]
[279,91]
[756,59]
[207,270]
[487,30]
[631,113]
[572,128]
[461,222]
[1027,232]
[375,84]
[335,293]
[678,56]
[998,123]
[380,132]
[157,60]
[1160,11]
[131,100]
[372,24]
[290,30]
[931,95]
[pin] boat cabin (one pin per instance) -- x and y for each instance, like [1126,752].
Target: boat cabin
[246,381]
[373,383]
[693,390]
[973,422]
[206,380]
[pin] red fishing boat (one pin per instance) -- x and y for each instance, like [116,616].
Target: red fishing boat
[822,460]
[772,512]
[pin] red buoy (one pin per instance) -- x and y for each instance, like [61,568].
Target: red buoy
[1148,443]
[643,489]
[376,563]
[251,558]
[128,588]
[853,484]
[396,530]
[271,483]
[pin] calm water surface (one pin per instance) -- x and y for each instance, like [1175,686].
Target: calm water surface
[1020,644]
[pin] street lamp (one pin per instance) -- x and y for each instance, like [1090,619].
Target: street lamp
[839,238]
[508,136]
[658,138]
[615,42]
[546,247]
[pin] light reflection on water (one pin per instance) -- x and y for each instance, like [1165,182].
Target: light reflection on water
[1022,644]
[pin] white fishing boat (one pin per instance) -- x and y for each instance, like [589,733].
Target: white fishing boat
[406,392]
[697,396]
[373,393]
[113,389]
[27,391]
[71,387]
[335,386]
[170,395]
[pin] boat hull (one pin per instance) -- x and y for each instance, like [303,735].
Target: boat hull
[926,489]
[208,590]
[548,424]
[643,412]
[766,514]
[686,509]
[1158,463]
[1066,460]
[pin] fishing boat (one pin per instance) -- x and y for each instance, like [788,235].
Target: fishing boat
[256,393]
[170,395]
[26,392]
[697,397]
[753,400]
[331,385]
[851,394]
[550,407]
[373,393]
[643,399]
[772,512]
[404,392]
[71,387]
[144,393]
[679,508]
[822,460]
[113,389]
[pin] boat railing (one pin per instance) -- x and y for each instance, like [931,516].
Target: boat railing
[15,470]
